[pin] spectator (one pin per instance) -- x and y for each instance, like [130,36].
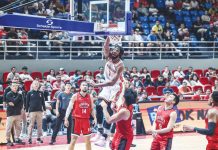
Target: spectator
[48,118]
[143,97]
[174,81]
[35,108]
[42,88]
[152,10]
[144,73]
[194,4]
[24,76]
[189,73]
[152,41]
[100,75]
[186,5]
[13,45]
[14,106]
[184,89]
[64,76]
[207,96]
[194,80]
[169,4]
[134,72]
[75,78]
[51,75]
[160,81]
[92,92]
[211,73]
[197,95]
[126,73]
[138,29]
[136,82]
[179,73]
[143,11]
[205,18]
[158,29]
[166,73]
[215,87]
[88,76]
[167,89]
[12,74]
[148,81]
[58,83]
[139,41]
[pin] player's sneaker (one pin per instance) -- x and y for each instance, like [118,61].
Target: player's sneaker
[101,142]
[96,137]
[39,140]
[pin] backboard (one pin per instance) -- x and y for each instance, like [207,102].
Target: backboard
[107,15]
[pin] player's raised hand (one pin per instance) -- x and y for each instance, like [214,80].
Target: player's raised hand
[188,128]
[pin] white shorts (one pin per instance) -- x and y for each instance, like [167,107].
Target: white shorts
[113,93]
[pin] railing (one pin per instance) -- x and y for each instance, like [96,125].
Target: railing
[69,49]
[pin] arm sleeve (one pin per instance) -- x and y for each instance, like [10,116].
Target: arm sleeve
[8,97]
[18,99]
[209,131]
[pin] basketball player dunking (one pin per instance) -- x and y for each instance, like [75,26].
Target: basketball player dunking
[113,89]
[81,105]
[211,121]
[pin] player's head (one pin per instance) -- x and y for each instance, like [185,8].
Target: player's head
[84,86]
[213,100]
[172,99]
[130,96]
[116,51]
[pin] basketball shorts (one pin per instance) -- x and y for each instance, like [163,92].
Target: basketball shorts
[120,142]
[81,126]
[161,143]
[113,93]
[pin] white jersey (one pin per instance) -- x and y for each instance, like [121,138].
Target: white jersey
[111,70]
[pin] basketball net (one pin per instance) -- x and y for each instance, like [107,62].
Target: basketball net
[113,28]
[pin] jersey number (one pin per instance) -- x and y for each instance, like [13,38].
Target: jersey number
[83,111]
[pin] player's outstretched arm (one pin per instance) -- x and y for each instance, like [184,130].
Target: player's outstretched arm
[106,48]
[212,119]
[123,114]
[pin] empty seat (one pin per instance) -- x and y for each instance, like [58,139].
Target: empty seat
[196,87]
[151,90]
[36,74]
[27,85]
[5,74]
[204,80]
[206,87]
[175,89]
[155,73]
[199,72]
[160,90]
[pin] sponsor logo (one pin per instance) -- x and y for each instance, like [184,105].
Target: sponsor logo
[84,105]
[49,24]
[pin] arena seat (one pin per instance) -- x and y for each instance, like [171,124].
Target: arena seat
[4,77]
[71,73]
[207,87]
[160,90]
[53,93]
[175,89]
[45,74]
[212,80]
[27,85]
[151,90]
[199,72]
[204,80]
[196,87]
[155,73]
[95,73]
[36,74]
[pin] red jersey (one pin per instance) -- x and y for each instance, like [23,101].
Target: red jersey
[214,137]
[162,120]
[124,127]
[82,106]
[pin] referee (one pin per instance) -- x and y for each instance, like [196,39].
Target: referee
[62,103]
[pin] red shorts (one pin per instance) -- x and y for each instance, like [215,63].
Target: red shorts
[81,125]
[120,142]
[160,143]
[212,146]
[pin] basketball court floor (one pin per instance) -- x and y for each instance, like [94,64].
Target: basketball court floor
[181,141]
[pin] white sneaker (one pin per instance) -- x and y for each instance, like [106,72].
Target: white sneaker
[96,137]
[44,133]
[101,142]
